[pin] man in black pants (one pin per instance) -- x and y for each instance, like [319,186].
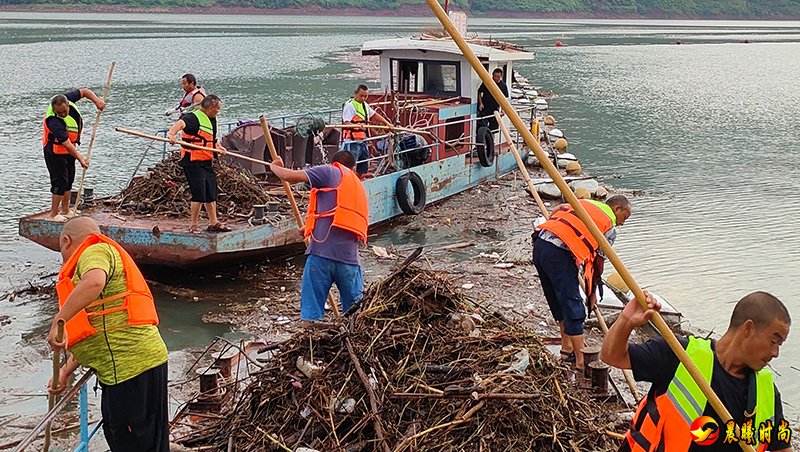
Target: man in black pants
[199,127]
[487,104]
[62,127]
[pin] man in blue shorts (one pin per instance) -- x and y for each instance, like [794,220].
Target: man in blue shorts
[337,219]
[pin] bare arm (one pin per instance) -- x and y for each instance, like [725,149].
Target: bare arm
[381,119]
[285,174]
[177,127]
[615,345]
[63,376]
[87,291]
[73,151]
[89,94]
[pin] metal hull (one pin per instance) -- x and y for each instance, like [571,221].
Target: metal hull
[167,242]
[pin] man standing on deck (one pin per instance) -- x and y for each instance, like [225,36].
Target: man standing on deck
[487,104]
[357,111]
[61,136]
[193,95]
[199,127]
[337,219]
[111,328]
[734,366]
[564,244]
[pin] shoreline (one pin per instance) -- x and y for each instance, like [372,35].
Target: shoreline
[404,11]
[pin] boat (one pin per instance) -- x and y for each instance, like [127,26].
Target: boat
[426,84]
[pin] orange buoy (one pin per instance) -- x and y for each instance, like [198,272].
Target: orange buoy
[559,44]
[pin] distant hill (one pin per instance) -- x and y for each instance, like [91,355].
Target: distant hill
[587,8]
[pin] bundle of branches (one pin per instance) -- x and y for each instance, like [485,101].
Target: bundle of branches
[416,369]
[165,191]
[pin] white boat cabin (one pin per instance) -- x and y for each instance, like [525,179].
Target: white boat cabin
[435,67]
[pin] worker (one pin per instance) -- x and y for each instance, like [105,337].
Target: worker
[734,366]
[111,328]
[61,137]
[199,127]
[487,104]
[337,220]
[193,94]
[561,246]
[356,111]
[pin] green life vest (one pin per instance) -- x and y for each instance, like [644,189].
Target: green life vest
[690,401]
[72,124]
[606,209]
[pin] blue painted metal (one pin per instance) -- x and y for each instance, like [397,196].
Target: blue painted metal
[458,111]
[85,435]
[178,247]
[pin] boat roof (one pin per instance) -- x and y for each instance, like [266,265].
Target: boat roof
[485,49]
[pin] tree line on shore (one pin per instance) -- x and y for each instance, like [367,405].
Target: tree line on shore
[653,8]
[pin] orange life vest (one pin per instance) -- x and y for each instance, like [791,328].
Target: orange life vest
[360,118]
[351,212]
[206,137]
[571,230]
[136,300]
[188,99]
[72,124]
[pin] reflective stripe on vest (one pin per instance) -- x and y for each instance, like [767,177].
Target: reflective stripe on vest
[351,212]
[662,423]
[683,391]
[73,130]
[136,300]
[206,137]
[359,118]
[188,99]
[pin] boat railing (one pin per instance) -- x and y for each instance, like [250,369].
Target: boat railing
[283,121]
[85,435]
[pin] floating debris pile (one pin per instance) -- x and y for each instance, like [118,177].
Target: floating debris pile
[417,368]
[163,190]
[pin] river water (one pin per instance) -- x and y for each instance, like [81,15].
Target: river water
[707,129]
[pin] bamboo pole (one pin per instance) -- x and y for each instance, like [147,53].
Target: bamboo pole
[521,166]
[106,89]
[377,126]
[55,382]
[136,133]
[543,209]
[612,256]
[289,194]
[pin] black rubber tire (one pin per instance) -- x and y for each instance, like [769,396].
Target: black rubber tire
[401,193]
[485,146]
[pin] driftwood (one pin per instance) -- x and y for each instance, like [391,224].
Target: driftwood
[396,375]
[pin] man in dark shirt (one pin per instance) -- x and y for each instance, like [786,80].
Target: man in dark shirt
[487,104]
[199,127]
[758,327]
[61,136]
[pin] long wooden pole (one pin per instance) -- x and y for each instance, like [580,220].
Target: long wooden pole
[55,382]
[521,166]
[377,126]
[612,256]
[136,133]
[106,89]
[289,194]
[543,209]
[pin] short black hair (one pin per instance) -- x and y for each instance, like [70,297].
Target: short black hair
[361,87]
[497,71]
[344,157]
[59,99]
[190,78]
[619,201]
[760,307]
[210,101]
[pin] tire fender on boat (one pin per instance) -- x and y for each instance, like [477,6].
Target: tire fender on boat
[485,146]
[415,205]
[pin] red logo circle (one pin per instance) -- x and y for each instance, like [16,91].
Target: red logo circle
[704,430]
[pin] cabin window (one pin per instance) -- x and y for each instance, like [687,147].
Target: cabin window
[454,129]
[434,78]
[407,76]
